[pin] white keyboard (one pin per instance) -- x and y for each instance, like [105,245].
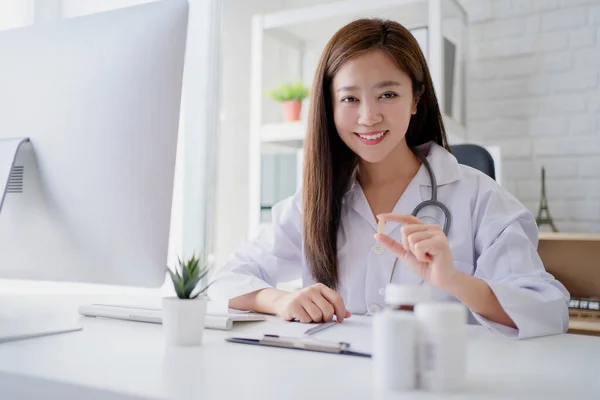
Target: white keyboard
[214,320]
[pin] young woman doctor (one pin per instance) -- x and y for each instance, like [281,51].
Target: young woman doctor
[374,130]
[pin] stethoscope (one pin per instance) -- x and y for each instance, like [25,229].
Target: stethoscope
[428,203]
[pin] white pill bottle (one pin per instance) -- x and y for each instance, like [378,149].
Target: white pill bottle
[394,364]
[395,338]
[443,345]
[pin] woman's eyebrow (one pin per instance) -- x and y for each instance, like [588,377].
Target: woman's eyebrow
[384,84]
[380,85]
[347,88]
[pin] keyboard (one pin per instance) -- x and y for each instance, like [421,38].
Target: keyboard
[213,320]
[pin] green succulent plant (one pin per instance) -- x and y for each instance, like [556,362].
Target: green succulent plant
[187,275]
[289,91]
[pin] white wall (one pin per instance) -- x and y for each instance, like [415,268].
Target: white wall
[534,89]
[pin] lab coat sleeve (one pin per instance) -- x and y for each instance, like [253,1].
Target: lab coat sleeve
[506,242]
[275,255]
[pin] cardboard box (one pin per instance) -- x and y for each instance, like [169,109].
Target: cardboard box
[573,259]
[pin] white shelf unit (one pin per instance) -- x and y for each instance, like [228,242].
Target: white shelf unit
[287,44]
[286,136]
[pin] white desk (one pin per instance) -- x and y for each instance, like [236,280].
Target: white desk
[113,359]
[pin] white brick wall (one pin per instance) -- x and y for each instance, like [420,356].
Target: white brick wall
[534,90]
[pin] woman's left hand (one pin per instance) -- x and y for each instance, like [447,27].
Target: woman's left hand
[424,249]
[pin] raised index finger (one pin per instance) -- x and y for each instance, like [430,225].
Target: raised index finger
[402,218]
[336,300]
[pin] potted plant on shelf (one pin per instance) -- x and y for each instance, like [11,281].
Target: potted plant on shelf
[184,314]
[291,94]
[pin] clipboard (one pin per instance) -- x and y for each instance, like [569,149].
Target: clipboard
[300,344]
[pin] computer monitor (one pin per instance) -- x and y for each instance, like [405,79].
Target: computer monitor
[95,101]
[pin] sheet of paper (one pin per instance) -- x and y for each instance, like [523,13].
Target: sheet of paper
[279,328]
[356,330]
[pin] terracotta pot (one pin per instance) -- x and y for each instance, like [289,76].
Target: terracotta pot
[292,110]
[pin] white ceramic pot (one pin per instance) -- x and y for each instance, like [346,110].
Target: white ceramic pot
[183,320]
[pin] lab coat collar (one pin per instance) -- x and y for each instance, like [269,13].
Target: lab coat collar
[443,164]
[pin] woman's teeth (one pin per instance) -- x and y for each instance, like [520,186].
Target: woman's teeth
[372,137]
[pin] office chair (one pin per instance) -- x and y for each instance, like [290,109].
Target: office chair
[476,157]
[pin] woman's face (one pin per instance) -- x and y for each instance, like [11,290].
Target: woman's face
[372,105]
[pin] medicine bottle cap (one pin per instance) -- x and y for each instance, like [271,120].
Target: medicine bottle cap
[444,316]
[406,294]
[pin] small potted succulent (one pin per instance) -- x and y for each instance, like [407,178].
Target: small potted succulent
[291,95]
[184,314]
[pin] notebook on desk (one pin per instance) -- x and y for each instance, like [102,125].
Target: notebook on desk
[221,320]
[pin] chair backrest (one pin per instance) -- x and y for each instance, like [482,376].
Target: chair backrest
[476,157]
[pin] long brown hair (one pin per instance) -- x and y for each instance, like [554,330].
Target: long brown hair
[329,163]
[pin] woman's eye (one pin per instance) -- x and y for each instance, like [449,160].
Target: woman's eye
[349,99]
[389,95]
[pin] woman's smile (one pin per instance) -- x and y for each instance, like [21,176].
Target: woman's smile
[371,138]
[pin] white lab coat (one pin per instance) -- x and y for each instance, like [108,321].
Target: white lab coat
[492,237]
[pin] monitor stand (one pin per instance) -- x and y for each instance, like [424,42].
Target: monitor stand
[22,326]
[10,180]
[28,327]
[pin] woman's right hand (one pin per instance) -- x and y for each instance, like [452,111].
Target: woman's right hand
[315,303]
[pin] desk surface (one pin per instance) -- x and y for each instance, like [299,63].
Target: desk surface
[113,359]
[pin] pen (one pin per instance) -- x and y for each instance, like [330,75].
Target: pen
[319,328]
